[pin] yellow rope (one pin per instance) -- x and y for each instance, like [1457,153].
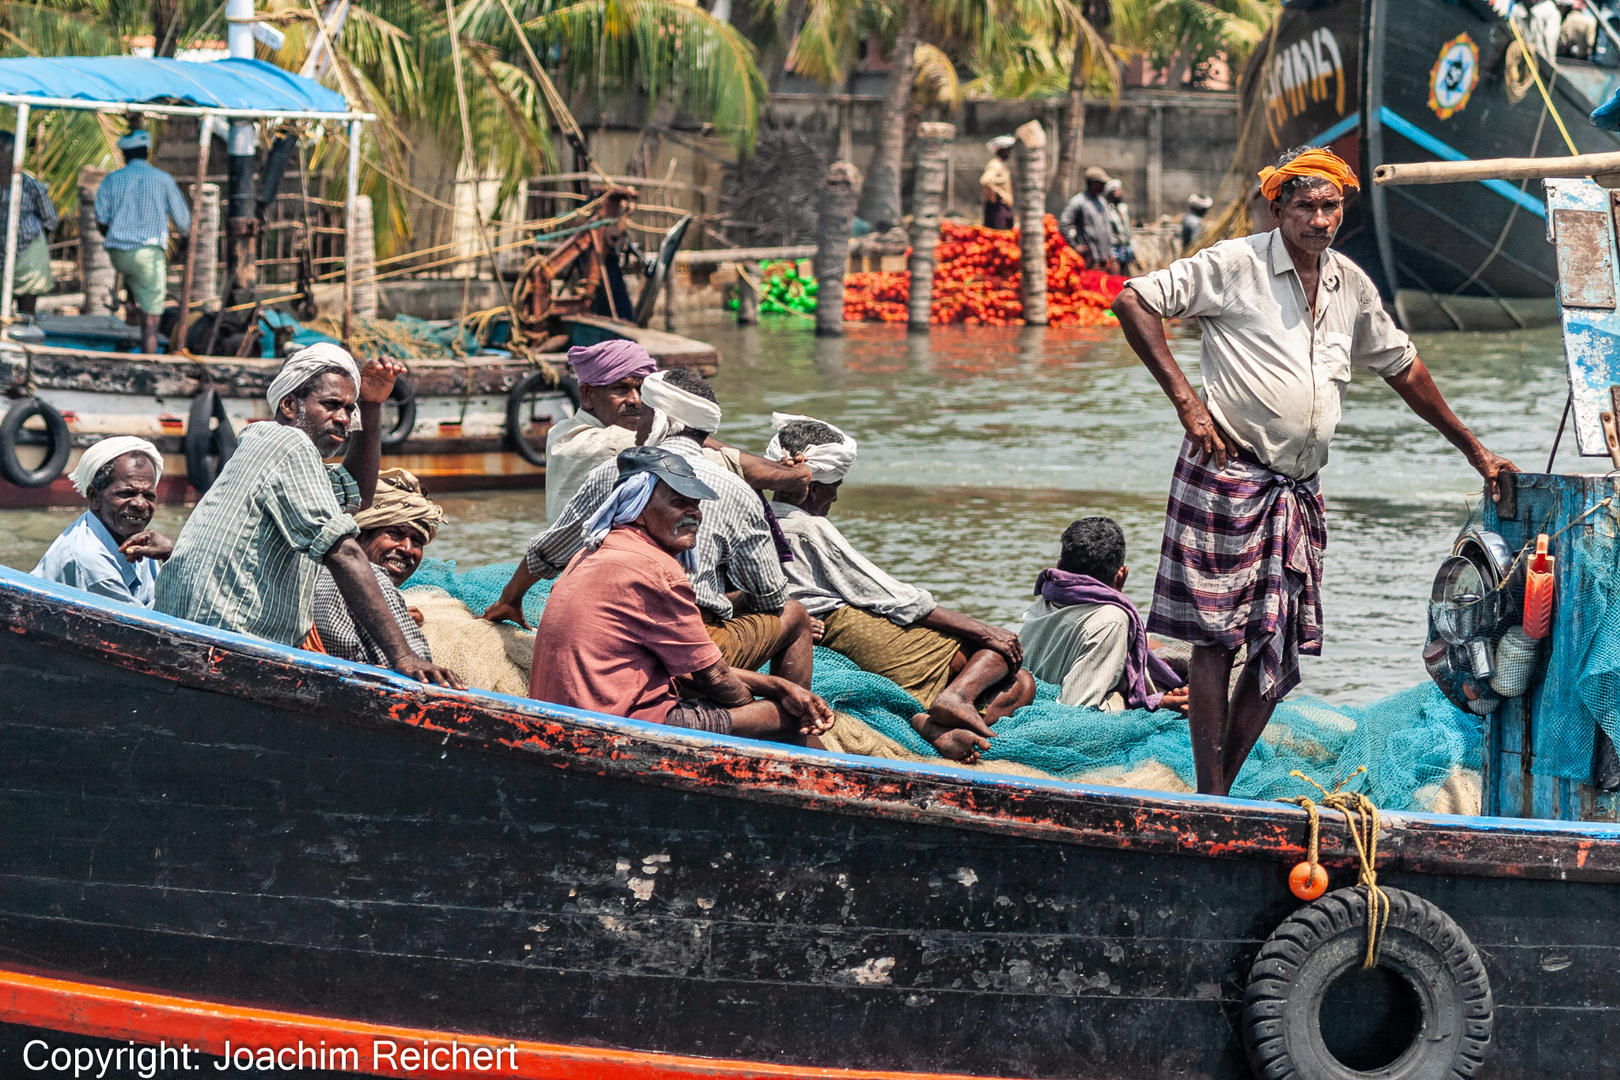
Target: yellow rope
[1361,818]
[1535,72]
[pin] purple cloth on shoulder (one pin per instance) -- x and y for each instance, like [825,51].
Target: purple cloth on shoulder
[1065,590]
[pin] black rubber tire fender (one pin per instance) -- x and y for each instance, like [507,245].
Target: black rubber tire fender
[56,432]
[1282,1030]
[403,395]
[537,380]
[210,440]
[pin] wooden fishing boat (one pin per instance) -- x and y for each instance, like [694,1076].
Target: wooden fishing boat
[222,843]
[1419,81]
[461,421]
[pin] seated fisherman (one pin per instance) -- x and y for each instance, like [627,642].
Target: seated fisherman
[622,622]
[248,558]
[109,550]
[1085,636]
[735,571]
[949,662]
[394,529]
[609,375]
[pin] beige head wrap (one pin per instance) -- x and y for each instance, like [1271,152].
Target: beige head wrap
[400,501]
[306,363]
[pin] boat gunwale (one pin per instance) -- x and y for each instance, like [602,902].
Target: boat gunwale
[1088,815]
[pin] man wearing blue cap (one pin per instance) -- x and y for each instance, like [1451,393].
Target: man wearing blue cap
[134,207]
[622,633]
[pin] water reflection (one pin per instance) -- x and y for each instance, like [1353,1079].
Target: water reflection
[978,447]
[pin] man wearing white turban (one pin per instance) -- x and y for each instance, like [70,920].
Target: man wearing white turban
[250,556]
[109,550]
[735,570]
[952,664]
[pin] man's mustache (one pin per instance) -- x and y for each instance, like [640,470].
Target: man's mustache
[685,522]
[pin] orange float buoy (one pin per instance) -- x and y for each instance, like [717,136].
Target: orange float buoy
[1308,880]
[1538,592]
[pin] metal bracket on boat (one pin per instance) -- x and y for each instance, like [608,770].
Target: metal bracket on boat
[1611,427]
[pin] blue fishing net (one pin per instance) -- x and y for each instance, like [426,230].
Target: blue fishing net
[1582,686]
[1411,742]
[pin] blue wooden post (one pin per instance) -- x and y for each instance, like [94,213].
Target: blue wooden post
[1542,503]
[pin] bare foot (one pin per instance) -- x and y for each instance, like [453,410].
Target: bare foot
[954,744]
[950,710]
[1020,693]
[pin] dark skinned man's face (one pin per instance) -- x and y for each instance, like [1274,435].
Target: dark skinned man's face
[395,548]
[619,404]
[1311,218]
[671,519]
[821,498]
[324,414]
[126,505]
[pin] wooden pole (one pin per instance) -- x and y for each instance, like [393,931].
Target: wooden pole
[832,245]
[933,154]
[361,253]
[1155,162]
[748,285]
[95,265]
[205,124]
[349,207]
[1457,172]
[19,147]
[672,298]
[1029,178]
[204,245]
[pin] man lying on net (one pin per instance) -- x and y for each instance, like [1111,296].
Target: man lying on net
[622,622]
[952,664]
[108,550]
[1084,635]
[394,529]
[248,557]
[735,571]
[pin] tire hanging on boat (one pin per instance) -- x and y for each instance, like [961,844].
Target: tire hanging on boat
[58,440]
[566,385]
[210,440]
[404,396]
[1421,946]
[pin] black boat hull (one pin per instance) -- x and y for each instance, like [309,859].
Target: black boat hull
[196,814]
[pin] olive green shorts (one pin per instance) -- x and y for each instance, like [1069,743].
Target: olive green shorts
[146,275]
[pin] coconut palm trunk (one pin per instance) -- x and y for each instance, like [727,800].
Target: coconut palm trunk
[880,195]
[1074,132]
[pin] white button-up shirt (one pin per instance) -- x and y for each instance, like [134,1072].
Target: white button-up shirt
[1274,377]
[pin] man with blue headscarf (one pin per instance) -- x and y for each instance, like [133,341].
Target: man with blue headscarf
[622,624]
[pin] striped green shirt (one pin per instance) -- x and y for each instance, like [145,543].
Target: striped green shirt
[249,556]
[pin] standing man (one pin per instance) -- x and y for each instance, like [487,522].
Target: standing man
[1119,226]
[609,374]
[36,217]
[995,184]
[1192,222]
[134,207]
[1084,223]
[250,555]
[1285,320]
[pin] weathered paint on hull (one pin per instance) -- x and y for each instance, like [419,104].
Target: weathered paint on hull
[215,818]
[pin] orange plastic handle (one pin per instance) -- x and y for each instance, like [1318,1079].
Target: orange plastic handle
[1539,592]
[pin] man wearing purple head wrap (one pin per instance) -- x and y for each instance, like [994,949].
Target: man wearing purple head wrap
[609,374]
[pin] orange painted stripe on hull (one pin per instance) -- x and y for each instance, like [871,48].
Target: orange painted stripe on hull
[208,1027]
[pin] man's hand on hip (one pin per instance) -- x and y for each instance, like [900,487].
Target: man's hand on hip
[1210,443]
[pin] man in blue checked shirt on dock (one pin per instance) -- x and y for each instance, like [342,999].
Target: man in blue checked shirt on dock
[134,207]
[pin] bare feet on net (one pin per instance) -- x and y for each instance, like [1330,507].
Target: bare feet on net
[1008,701]
[951,710]
[953,743]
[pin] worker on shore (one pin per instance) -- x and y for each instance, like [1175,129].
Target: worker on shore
[108,550]
[995,183]
[134,208]
[250,555]
[1285,320]
[609,374]
[36,217]
[1192,222]
[1119,226]
[1084,223]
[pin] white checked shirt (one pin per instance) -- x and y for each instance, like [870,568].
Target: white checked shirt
[734,545]
[135,205]
[1274,378]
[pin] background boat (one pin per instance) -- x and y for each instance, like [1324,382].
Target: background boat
[1419,81]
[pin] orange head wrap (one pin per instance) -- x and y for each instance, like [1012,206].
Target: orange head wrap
[1313,162]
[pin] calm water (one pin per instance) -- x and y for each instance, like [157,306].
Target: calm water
[979,446]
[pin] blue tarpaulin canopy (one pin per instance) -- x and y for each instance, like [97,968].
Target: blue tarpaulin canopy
[230,86]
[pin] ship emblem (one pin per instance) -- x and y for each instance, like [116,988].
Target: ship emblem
[1453,76]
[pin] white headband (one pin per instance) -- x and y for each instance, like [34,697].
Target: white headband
[306,363]
[98,455]
[829,462]
[683,407]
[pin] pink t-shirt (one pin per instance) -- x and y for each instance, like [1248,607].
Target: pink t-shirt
[620,624]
